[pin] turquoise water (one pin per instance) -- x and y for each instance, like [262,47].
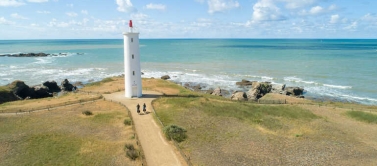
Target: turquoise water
[341,69]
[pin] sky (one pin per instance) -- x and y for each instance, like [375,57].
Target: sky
[107,19]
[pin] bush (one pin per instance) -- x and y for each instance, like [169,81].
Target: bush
[129,147]
[127,122]
[175,132]
[87,113]
[131,152]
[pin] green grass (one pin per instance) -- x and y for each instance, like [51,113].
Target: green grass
[100,82]
[268,116]
[363,116]
[104,117]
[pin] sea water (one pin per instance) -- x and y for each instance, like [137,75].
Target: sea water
[337,69]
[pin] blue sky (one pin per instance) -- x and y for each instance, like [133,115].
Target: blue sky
[88,19]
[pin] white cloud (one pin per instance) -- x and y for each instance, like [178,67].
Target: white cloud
[266,10]
[13,3]
[17,16]
[316,10]
[37,1]
[334,19]
[372,18]
[84,12]
[70,5]
[139,16]
[221,5]
[352,26]
[71,14]
[4,21]
[156,6]
[43,12]
[125,6]
[294,4]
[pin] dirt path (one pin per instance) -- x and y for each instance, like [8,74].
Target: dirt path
[157,150]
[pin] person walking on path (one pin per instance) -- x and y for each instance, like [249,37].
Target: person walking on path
[144,108]
[138,108]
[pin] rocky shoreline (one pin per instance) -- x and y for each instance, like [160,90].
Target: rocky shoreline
[255,90]
[19,90]
[41,54]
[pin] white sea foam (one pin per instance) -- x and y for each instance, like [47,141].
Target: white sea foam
[338,86]
[267,78]
[43,60]
[359,98]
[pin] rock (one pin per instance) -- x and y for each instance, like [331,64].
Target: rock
[66,86]
[244,83]
[240,96]
[40,92]
[217,92]
[196,88]
[209,91]
[52,86]
[26,55]
[20,89]
[165,77]
[258,90]
[278,88]
[294,91]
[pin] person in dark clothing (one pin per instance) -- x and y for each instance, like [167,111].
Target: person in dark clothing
[138,108]
[144,108]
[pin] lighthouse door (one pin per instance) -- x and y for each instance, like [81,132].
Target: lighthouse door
[134,91]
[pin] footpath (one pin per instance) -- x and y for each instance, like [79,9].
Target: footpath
[157,151]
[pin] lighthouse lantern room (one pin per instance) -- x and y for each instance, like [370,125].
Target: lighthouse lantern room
[132,69]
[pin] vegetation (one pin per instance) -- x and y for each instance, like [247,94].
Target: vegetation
[87,113]
[175,132]
[127,122]
[105,80]
[63,137]
[131,152]
[363,116]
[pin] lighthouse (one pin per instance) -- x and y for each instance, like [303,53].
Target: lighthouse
[132,69]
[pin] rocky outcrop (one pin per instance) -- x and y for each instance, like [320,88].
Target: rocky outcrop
[66,86]
[245,83]
[39,92]
[26,55]
[217,92]
[294,91]
[52,86]
[165,77]
[258,90]
[278,88]
[240,96]
[20,89]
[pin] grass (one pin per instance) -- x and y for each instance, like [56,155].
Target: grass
[363,116]
[67,137]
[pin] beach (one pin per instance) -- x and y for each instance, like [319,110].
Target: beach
[338,69]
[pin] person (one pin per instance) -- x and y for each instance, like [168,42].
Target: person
[138,108]
[144,108]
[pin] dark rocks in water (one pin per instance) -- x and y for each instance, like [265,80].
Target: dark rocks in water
[245,83]
[165,77]
[52,86]
[294,91]
[66,86]
[41,54]
[240,96]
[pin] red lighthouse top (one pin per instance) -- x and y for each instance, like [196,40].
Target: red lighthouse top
[130,24]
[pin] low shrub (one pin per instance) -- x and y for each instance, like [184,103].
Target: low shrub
[87,113]
[131,152]
[127,122]
[175,132]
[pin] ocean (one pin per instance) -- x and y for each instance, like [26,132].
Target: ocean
[328,69]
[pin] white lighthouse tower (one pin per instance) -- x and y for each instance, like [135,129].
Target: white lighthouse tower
[132,69]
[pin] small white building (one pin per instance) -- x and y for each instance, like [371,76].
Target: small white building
[132,69]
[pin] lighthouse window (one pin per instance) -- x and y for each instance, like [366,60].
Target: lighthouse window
[132,39]
[132,56]
[133,72]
